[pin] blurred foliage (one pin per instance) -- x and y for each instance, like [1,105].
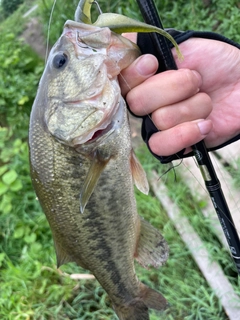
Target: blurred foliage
[213,15]
[19,76]
[31,286]
[9,6]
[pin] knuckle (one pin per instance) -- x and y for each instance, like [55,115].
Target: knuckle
[165,119]
[135,102]
[207,101]
[185,111]
[189,79]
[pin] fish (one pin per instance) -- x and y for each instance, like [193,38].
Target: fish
[83,167]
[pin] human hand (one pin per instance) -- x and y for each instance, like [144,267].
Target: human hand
[199,101]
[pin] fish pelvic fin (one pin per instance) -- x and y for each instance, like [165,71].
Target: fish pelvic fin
[61,255]
[138,174]
[97,166]
[137,309]
[152,248]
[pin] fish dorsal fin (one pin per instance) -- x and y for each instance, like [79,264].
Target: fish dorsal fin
[138,174]
[152,249]
[97,166]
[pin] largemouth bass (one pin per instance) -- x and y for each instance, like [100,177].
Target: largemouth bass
[83,168]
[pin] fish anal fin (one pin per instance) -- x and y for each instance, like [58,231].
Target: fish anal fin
[152,249]
[62,256]
[138,174]
[97,166]
[137,309]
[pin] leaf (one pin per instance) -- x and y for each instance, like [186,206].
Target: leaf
[3,188]
[31,238]
[19,232]
[6,155]
[2,258]
[23,100]
[35,247]
[3,133]
[3,169]
[9,177]
[16,185]
[6,208]
[17,143]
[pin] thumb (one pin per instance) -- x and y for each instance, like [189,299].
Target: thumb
[140,70]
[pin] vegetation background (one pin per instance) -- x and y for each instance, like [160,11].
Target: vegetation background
[31,287]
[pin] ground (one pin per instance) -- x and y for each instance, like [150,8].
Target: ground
[33,36]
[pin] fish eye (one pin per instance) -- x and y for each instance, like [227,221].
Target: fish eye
[60,60]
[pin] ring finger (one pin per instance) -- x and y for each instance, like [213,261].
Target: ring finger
[198,106]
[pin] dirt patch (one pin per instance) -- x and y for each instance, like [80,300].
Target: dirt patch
[34,37]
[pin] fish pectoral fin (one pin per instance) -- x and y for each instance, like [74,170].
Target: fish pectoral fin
[138,174]
[152,248]
[97,166]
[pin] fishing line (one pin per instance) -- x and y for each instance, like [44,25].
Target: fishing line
[48,30]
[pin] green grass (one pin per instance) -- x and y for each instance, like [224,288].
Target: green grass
[180,280]
[30,285]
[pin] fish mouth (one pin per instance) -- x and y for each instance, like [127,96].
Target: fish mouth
[110,126]
[99,134]
[98,131]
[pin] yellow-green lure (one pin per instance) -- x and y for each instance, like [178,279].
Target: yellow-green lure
[118,23]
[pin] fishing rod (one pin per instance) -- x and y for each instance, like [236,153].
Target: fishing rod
[212,183]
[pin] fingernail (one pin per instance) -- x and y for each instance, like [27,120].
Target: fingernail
[205,126]
[147,65]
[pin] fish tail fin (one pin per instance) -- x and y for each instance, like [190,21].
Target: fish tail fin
[137,309]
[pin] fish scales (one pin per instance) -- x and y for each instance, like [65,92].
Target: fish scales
[97,234]
[83,172]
